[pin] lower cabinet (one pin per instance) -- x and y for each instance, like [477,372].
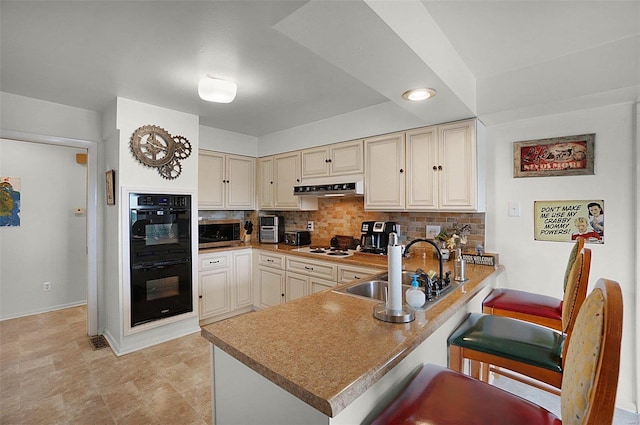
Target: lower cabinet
[281,278]
[225,284]
[299,285]
[269,287]
[348,273]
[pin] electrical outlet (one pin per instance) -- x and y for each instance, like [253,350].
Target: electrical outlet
[432,231]
[47,286]
[310,226]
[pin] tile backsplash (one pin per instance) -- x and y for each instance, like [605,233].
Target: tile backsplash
[343,216]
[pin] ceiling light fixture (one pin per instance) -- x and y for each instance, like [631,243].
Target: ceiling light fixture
[217,90]
[416,95]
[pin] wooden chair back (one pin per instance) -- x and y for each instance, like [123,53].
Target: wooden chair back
[590,377]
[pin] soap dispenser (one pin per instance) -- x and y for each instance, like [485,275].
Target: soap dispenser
[415,297]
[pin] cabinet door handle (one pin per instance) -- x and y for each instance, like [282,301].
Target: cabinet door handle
[439,167]
[308,268]
[435,168]
[401,170]
[269,260]
[356,277]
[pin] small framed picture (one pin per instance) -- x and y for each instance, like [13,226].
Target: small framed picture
[558,156]
[110,187]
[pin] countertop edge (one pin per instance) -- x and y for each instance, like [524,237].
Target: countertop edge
[333,405]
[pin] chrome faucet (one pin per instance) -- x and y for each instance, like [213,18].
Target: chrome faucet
[442,280]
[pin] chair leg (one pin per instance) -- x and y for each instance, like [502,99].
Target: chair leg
[485,372]
[474,368]
[455,358]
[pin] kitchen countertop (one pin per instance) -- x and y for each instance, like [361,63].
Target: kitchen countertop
[358,259]
[327,348]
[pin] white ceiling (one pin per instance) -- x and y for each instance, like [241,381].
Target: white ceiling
[298,62]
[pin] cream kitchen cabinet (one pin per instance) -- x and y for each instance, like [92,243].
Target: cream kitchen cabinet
[384,173]
[225,286]
[305,276]
[320,269]
[333,160]
[438,168]
[269,286]
[348,273]
[277,175]
[299,285]
[226,181]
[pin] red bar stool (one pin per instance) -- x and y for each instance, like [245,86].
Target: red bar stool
[439,396]
[535,353]
[530,307]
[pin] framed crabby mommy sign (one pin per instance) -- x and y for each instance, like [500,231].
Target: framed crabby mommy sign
[564,221]
[558,156]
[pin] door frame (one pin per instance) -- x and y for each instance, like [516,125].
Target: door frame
[92,212]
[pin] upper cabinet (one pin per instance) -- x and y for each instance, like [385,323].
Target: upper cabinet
[428,169]
[333,160]
[278,174]
[226,181]
[384,172]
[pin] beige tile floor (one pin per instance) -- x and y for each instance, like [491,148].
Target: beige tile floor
[50,375]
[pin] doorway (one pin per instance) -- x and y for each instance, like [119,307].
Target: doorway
[90,213]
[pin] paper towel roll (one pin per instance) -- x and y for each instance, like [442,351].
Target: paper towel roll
[394,258]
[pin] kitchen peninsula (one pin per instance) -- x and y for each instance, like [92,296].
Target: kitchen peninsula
[324,358]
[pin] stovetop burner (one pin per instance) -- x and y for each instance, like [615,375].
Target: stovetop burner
[326,251]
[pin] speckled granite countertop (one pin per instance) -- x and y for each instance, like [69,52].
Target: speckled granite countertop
[359,259]
[307,346]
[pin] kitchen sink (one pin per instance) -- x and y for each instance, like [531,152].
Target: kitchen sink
[407,277]
[375,288]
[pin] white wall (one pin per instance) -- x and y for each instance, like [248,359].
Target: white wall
[380,119]
[131,174]
[538,266]
[50,243]
[214,139]
[24,114]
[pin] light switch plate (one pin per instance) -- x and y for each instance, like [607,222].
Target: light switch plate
[514,208]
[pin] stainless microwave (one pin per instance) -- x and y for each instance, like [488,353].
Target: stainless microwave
[271,229]
[216,233]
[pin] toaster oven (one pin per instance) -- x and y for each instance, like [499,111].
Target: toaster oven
[297,238]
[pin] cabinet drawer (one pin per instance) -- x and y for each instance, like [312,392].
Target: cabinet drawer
[214,261]
[270,260]
[312,268]
[350,273]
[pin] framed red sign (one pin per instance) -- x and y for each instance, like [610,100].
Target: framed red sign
[558,156]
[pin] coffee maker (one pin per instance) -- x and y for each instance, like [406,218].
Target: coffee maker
[375,236]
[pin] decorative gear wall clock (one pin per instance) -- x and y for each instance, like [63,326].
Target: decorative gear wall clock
[155,147]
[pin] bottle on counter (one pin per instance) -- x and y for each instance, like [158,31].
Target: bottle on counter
[414,295]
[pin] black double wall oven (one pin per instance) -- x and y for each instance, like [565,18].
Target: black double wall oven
[160,256]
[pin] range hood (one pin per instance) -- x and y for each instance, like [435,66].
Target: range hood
[355,188]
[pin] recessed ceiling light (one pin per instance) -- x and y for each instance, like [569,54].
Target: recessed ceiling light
[217,90]
[416,95]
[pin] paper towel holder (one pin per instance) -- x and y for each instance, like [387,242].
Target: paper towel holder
[385,311]
[406,315]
